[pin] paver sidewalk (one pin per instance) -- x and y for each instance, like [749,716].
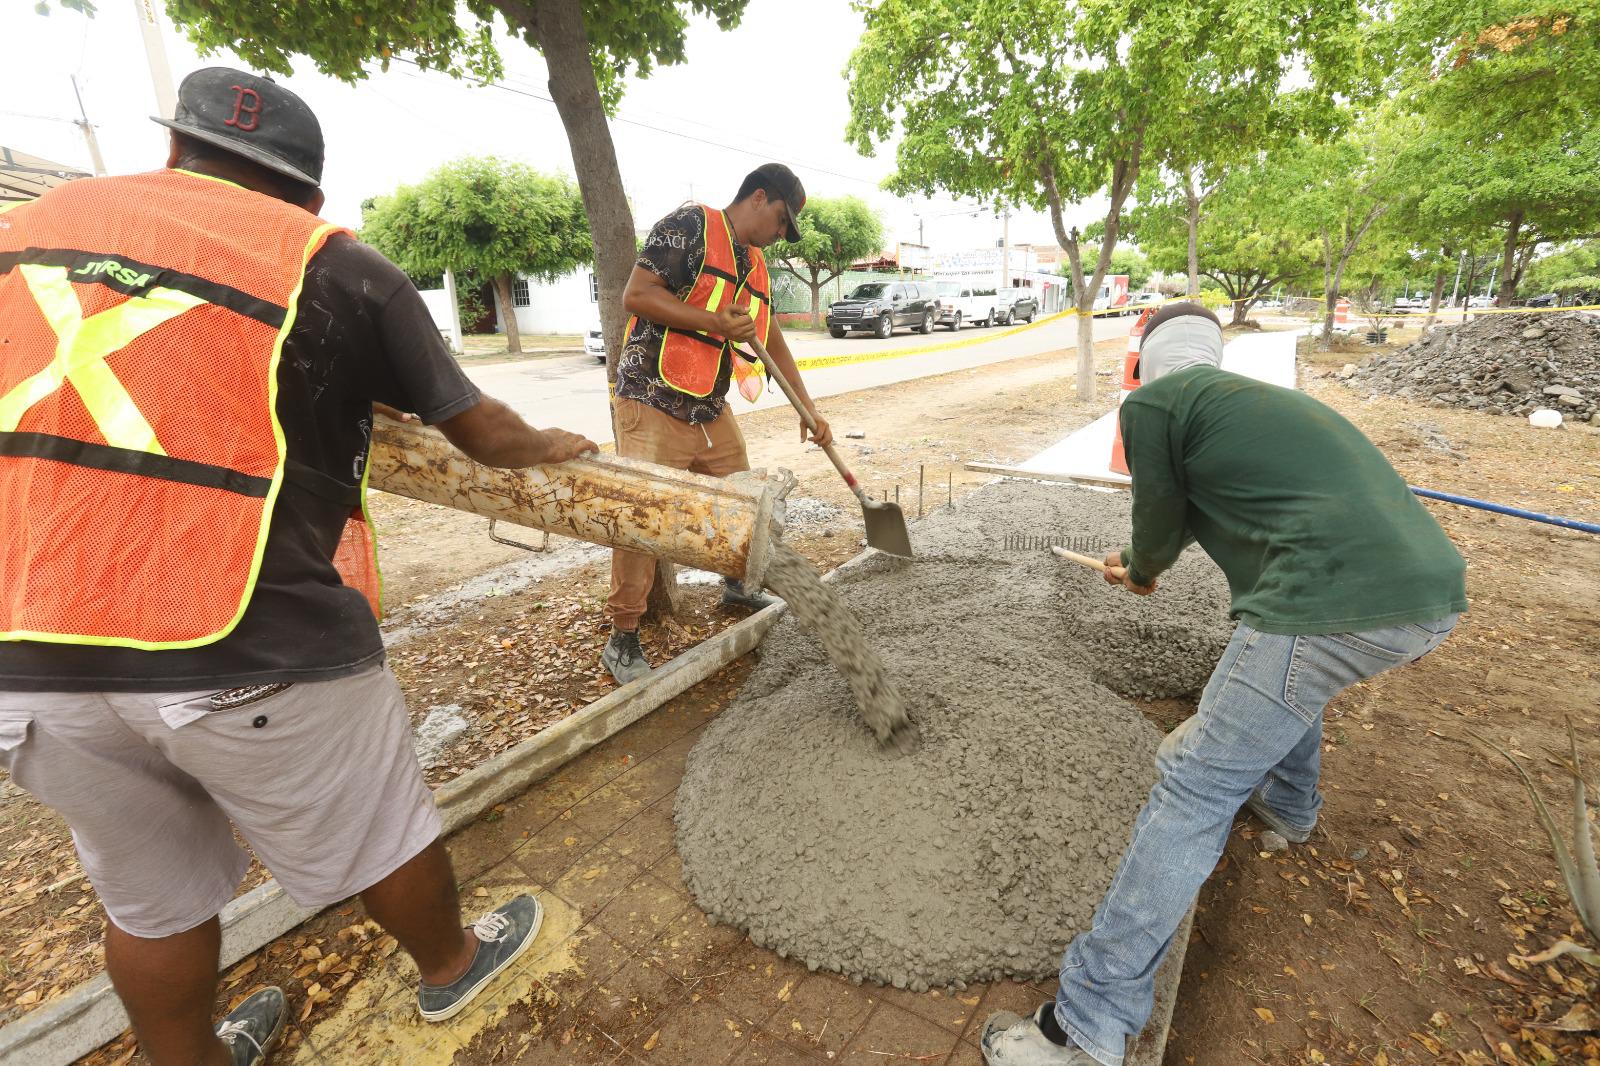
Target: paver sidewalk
[626,969]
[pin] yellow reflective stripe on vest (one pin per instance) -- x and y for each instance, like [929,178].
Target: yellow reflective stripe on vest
[82,346]
[714,301]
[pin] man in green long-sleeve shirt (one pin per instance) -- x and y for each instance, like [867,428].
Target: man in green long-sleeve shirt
[1337,573]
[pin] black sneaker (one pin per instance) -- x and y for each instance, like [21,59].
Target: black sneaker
[734,595]
[252,1028]
[623,656]
[1275,821]
[503,935]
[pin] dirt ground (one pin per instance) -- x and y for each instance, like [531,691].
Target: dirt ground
[1397,935]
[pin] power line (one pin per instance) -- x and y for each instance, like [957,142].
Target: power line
[531,94]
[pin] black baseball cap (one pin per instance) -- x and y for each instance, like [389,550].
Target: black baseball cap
[252,117]
[777,176]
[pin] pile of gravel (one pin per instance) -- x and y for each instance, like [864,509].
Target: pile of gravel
[984,852]
[1501,364]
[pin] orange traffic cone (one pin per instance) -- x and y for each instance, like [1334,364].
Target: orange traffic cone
[1119,459]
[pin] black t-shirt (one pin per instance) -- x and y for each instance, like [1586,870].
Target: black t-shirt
[674,251]
[361,333]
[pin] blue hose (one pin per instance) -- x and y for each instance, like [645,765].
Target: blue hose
[1514,512]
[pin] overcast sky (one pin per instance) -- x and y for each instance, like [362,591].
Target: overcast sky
[396,126]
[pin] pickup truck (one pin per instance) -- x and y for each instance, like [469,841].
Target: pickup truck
[960,303]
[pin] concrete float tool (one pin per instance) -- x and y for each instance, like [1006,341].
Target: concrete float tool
[886,525]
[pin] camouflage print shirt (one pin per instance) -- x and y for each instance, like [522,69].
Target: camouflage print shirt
[674,251]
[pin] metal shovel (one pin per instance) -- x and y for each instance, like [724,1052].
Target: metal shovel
[886,525]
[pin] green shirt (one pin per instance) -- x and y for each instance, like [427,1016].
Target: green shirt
[1314,529]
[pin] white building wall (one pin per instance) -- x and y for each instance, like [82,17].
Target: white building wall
[566,305]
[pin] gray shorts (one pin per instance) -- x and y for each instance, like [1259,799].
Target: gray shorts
[320,778]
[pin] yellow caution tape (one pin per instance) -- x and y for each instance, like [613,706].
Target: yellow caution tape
[820,362]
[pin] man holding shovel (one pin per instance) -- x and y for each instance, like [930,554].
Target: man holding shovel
[699,288]
[1337,572]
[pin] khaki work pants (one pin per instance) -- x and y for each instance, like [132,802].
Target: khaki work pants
[714,448]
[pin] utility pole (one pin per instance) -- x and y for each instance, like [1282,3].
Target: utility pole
[88,132]
[1461,261]
[156,53]
[1005,252]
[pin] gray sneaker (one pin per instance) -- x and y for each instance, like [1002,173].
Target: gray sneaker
[1274,821]
[1011,1040]
[503,935]
[623,656]
[252,1028]
[734,594]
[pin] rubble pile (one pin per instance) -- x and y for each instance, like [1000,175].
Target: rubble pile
[1501,364]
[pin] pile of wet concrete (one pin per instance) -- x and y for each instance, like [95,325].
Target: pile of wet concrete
[1498,363]
[985,851]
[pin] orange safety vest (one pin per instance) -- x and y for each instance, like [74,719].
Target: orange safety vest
[141,323]
[690,360]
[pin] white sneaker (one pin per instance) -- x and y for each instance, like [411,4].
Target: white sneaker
[1011,1040]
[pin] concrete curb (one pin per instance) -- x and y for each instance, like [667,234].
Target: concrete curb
[91,1014]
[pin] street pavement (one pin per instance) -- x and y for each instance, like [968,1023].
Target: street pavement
[570,391]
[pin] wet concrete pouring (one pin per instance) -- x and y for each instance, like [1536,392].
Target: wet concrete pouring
[981,854]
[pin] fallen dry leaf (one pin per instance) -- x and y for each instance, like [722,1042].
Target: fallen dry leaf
[1582,1018]
[1266,1015]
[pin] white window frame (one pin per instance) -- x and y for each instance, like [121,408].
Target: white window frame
[520,296]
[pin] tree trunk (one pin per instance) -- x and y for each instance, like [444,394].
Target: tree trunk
[1085,380]
[1508,262]
[1194,235]
[1241,310]
[1330,297]
[1124,173]
[558,28]
[663,600]
[1438,294]
[816,302]
[1472,278]
[508,313]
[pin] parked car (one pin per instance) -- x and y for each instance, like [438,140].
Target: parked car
[594,342]
[1140,300]
[960,303]
[879,307]
[1016,303]
[1549,299]
[1481,301]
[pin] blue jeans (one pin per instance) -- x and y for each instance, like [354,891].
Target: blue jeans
[1259,727]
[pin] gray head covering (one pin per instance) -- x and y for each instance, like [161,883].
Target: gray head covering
[1179,336]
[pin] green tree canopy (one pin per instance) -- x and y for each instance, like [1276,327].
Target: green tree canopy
[1525,191]
[1048,104]
[1499,70]
[486,217]
[833,234]
[1335,192]
[1242,244]
[1579,261]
